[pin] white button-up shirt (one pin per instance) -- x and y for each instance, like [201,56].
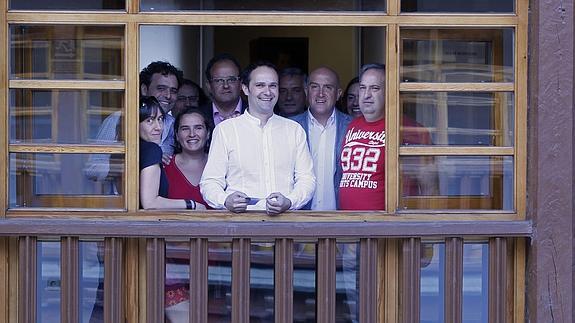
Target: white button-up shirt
[322,143]
[258,160]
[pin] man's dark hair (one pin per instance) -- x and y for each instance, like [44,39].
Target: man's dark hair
[373,66]
[293,71]
[219,58]
[149,106]
[246,74]
[353,81]
[163,68]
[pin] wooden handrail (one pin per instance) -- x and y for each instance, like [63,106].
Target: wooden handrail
[259,230]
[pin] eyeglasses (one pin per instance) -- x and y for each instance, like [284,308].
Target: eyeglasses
[232,80]
[191,98]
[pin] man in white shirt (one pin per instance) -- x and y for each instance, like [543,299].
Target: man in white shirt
[258,160]
[325,127]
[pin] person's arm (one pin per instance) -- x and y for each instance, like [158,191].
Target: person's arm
[98,165]
[168,144]
[304,177]
[213,182]
[149,187]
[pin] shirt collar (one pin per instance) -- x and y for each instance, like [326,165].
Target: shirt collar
[257,121]
[216,113]
[313,120]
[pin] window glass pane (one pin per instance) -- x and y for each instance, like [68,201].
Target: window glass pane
[67,5]
[91,281]
[66,52]
[456,182]
[63,117]
[255,5]
[177,289]
[61,181]
[478,6]
[219,282]
[457,118]
[304,282]
[48,282]
[475,282]
[432,282]
[262,282]
[457,55]
[347,283]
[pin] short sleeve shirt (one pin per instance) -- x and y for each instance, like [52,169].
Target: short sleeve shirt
[151,154]
[362,186]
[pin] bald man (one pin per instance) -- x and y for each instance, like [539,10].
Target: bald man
[325,128]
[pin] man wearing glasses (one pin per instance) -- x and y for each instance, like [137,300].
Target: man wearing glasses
[223,85]
[189,96]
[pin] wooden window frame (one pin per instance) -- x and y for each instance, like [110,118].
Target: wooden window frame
[373,225]
[393,21]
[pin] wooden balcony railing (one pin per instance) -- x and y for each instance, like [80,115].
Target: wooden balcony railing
[389,265]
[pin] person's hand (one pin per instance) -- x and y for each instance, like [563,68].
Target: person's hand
[166,159]
[236,202]
[276,203]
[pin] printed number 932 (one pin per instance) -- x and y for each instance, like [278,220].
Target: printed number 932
[360,159]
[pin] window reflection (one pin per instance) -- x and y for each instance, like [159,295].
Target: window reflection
[347,283]
[458,118]
[282,5]
[58,181]
[262,283]
[456,182]
[66,52]
[91,281]
[432,282]
[61,116]
[67,5]
[457,55]
[477,6]
[304,282]
[219,282]
[48,282]
[475,282]
[177,280]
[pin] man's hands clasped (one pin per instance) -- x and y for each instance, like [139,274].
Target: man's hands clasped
[276,203]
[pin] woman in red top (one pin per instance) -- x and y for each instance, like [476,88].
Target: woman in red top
[192,135]
[192,132]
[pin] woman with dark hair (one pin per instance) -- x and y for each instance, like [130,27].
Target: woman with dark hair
[192,133]
[351,98]
[153,180]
